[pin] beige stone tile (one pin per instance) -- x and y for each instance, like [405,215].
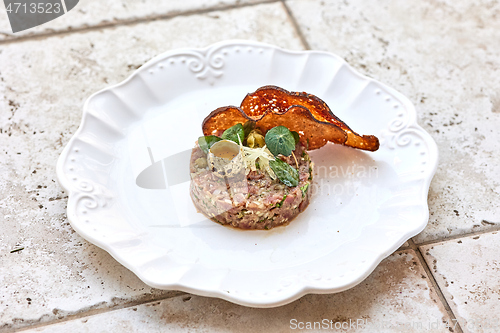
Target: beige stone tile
[88,13]
[44,83]
[397,294]
[467,271]
[442,57]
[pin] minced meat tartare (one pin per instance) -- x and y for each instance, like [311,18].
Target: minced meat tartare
[254,200]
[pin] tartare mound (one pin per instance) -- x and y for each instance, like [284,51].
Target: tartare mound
[253,200]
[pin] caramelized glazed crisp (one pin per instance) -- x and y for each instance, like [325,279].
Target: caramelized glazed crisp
[271,106]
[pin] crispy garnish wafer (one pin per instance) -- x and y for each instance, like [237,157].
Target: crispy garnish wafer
[271,106]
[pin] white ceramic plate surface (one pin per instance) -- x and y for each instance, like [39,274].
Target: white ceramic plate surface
[364,205]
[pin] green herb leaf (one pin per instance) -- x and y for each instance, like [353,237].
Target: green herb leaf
[232,133]
[248,127]
[279,204]
[287,174]
[304,189]
[296,136]
[279,140]
[205,142]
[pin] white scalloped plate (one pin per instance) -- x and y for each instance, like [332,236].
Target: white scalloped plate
[364,207]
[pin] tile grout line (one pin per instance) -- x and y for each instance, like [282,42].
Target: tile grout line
[93,312]
[454,237]
[130,22]
[436,286]
[296,26]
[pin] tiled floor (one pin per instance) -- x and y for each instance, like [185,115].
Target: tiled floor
[443,55]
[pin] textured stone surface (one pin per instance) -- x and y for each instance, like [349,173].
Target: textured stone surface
[90,13]
[442,56]
[397,296]
[467,272]
[58,273]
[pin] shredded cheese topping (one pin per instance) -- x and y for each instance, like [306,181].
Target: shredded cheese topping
[250,156]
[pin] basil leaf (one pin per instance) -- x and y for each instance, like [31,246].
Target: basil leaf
[287,174]
[205,142]
[296,136]
[248,127]
[279,140]
[232,133]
